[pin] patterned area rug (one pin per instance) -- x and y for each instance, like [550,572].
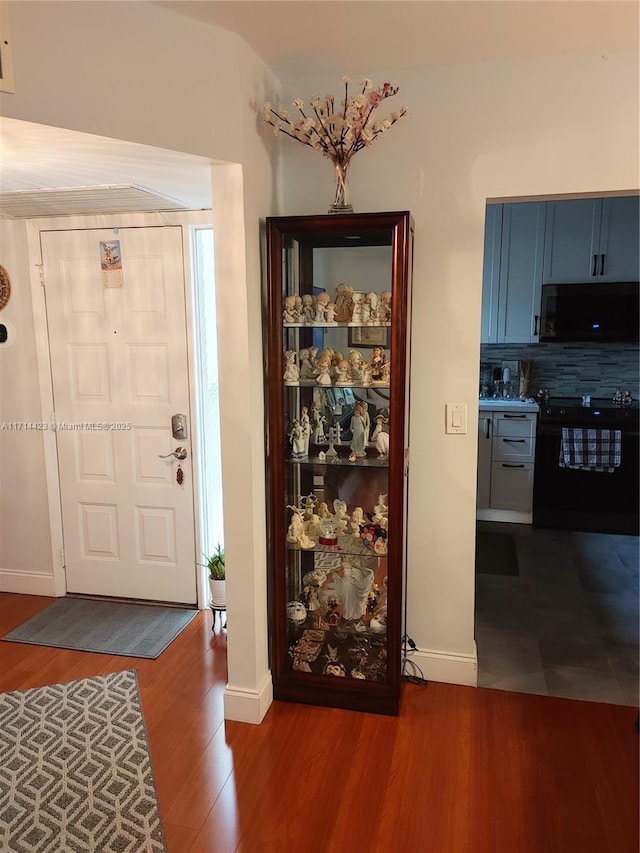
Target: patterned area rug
[75,769]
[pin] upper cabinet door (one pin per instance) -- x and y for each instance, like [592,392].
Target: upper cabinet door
[619,243]
[491,273]
[592,239]
[572,237]
[521,272]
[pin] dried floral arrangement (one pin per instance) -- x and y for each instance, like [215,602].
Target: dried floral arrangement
[337,130]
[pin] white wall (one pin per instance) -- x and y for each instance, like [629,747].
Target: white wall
[25,543]
[567,124]
[139,72]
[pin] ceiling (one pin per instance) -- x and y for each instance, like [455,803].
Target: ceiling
[329,38]
[307,38]
[36,156]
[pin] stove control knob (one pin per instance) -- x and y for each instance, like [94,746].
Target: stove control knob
[563,411]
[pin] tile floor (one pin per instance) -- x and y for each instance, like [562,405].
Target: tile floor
[567,625]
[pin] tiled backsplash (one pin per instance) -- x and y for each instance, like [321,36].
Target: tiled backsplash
[570,370]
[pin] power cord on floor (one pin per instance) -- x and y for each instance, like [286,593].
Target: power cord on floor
[411,672]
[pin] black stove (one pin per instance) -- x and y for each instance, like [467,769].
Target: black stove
[598,501]
[570,412]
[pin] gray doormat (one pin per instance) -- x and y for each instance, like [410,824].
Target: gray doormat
[496,553]
[108,627]
[75,769]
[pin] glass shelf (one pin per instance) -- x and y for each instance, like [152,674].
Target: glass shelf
[341,461]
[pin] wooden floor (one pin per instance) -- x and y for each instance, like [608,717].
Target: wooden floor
[461,770]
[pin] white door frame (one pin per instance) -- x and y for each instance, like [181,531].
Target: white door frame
[128,220]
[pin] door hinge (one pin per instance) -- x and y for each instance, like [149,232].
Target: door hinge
[41,273]
[62,563]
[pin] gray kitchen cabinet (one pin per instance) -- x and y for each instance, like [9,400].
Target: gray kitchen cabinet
[592,239]
[491,273]
[512,281]
[483,493]
[506,455]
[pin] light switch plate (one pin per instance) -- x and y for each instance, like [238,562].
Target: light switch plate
[456,418]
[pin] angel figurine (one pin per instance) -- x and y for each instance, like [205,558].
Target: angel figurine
[352,589]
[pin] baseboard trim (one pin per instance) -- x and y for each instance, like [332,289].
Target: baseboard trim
[509,515]
[248,706]
[447,667]
[27,583]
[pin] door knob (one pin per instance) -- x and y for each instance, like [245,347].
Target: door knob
[178,453]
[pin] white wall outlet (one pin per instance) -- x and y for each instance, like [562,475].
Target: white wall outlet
[456,418]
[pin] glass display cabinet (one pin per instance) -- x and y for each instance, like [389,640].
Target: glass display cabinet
[338,307]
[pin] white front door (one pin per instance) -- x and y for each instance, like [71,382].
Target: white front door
[119,365]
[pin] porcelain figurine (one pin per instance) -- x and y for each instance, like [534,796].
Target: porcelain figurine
[372,300]
[322,300]
[291,369]
[359,432]
[331,452]
[323,370]
[296,527]
[289,313]
[297,439]
[306,367]
[344,303]
[384,307]
[377,362]
[331,314]
[386,372]
[380,438]
[312,527]
[357,518]
[355,365]
[341,516]
[352,589]
[365,372]
[357,313]
[323,510]
[305,423]
[380,546]
[308,309]
[343,374]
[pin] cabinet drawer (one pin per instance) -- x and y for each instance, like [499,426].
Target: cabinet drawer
[512,486]
[514,425]
[510,448]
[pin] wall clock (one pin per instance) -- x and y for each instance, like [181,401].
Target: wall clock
[5,287]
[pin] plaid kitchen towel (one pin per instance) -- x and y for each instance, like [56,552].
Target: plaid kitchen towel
[590,449]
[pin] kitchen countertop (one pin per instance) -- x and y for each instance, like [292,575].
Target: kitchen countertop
[498,405]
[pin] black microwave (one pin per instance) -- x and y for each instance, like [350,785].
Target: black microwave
[590,312]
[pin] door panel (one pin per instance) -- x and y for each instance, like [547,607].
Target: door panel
[119,368]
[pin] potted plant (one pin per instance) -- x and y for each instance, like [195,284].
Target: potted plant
[216,569]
